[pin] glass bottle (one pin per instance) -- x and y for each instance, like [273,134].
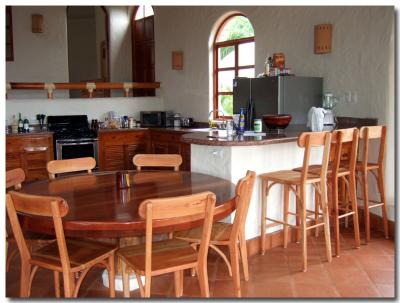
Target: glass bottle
[26,126]
[20,124]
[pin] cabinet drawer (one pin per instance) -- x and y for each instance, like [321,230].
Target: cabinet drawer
[20,144]
[166,137]
[122,138]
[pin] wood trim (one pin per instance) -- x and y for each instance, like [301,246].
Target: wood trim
[376,223]
[83,86]
[236,68]
[10,31]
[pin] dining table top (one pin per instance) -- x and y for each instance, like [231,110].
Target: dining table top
[98,208]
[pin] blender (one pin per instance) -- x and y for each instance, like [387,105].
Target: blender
[328,103]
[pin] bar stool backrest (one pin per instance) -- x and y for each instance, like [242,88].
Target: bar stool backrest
[373,132]
[157,160]
[344,145]
[308,140]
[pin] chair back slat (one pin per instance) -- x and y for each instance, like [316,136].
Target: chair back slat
[310,140]
[244,191]
[157,160]
[373,132]
[37,205]
[344,147]
[166,208]
[14,178]
[70,165]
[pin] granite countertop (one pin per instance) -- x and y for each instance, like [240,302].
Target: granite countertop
[272,137]
[34,132]
[163,129]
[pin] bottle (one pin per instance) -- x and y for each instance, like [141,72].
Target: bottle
[257,125]
[242,120]
[20,124]
[14,125]
[26,126]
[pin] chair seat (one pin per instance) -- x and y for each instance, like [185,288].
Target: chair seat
[288,177]
[220,233]
[370,166]
[316,169]
[81,254]
[167,256]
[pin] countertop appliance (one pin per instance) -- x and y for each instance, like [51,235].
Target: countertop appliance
[156,119]
[72,137]
[277,95]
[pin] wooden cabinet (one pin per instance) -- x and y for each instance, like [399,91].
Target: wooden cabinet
[31,153]
[117,148]
[169,142]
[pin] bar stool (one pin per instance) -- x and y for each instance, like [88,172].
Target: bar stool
[376,169]
[297,182]
[341,168]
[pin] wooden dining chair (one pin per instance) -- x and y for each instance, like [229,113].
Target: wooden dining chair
[70,165]
[297,181]
[376,168]
[157,160]
[14,179]
[231,235]
[173,255]
[73,258]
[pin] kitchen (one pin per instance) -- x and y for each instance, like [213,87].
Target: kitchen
[188,91]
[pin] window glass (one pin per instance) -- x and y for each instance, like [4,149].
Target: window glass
[144,11]
[236,27]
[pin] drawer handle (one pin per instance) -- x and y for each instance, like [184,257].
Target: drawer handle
[35,149]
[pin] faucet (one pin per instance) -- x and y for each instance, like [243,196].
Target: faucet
[210,120]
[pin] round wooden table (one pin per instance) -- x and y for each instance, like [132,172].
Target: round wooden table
[97,208]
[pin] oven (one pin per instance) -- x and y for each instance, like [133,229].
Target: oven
[77,148]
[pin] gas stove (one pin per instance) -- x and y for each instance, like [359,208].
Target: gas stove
[72,137]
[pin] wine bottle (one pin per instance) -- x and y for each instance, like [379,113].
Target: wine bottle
[20,124]
[26,126]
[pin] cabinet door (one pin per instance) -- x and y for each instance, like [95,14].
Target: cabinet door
[113,157]
[35,163]
[14,160]
[185,153]
[130,151]
[174,148]
[159,148]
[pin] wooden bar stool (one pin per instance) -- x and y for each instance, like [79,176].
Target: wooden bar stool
[341,168]
[377,170]
[297,182]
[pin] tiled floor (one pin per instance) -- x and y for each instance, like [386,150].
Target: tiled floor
[365,272]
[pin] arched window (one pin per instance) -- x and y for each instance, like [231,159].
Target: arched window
[143,48]
[233,57]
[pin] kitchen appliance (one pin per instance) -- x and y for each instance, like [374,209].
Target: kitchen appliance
[321,119]
[329,103]
[177,120]
[276,95]
[187,122]
[155,119]
[72,137]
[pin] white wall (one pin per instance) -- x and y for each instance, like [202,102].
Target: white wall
[361,61]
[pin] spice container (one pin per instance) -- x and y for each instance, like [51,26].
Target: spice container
[257,125]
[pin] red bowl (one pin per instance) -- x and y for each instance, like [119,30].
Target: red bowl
[276,121]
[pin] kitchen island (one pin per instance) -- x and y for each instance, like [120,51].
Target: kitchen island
[231,157]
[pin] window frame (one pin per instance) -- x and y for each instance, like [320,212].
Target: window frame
[216,46]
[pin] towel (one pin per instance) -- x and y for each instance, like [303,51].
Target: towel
[315,119]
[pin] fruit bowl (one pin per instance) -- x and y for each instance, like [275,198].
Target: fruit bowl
[277,121]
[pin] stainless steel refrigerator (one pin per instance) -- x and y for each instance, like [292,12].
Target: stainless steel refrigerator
[277,95]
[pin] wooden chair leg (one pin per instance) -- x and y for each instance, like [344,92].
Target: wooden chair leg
[125,280]
[147,286]
[285,215]
[233,251]
[57,291]
[202,275]
[325,216]
[141,288]
[243,253]
[10,257]
[111,275]
[69,284]
[381,185]
[316,212]
[178,278]
[353,196]
[303,222]
[298,221]
[264,198]
[366,205]
[25,279]
[335,213]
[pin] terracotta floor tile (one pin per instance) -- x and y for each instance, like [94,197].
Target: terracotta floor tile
[386,290]
[315,273]
[357,291]
[320,290]
[270,289]
[352,276]
[368,261]
[381,276]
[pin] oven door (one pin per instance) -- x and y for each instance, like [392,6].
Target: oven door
[69,149]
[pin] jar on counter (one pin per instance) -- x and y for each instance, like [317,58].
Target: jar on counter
[132,122]
[257,125]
